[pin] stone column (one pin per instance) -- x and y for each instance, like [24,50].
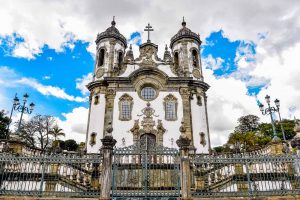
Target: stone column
[109,106]
[108,143]
[185,94]
[185,173]
[112,44]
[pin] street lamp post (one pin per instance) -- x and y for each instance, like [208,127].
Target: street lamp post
[15,103]
[21,108]
[269,111]
[277,103]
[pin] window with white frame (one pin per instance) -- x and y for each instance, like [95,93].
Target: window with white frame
[125,107]
[170,105]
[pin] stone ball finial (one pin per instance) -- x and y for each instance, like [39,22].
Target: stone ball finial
[182,128]
[109,129]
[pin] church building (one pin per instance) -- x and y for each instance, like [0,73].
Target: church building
[146,98]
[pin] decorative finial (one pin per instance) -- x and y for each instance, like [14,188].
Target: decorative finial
[109,129]
[148,29]
[166,48]
[130,46]
[183,22]
[113,23]
[182,128]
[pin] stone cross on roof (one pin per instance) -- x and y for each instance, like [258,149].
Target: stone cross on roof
[148,29]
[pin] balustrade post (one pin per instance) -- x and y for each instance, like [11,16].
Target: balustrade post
[184,143]
[242,186]
[108,143]
[276,148]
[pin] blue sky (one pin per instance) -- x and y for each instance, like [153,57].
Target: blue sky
[63,69]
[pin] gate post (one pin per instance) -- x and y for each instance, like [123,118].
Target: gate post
[184,142]
[108,143]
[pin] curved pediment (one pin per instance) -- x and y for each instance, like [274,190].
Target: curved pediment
[148,76]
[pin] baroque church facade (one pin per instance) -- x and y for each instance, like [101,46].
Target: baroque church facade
[146,98]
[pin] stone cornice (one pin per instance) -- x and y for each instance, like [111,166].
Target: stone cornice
[170,81]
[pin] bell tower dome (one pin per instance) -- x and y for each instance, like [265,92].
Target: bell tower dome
[111,45]
[185,46]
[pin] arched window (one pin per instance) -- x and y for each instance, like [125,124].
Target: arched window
[93,139]
[170,105]
[96,100]
[195,58]
[125,107]
[202,139]
[176,60]
[120,58]
[101,57]
[199,100]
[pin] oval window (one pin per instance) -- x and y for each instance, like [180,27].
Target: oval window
[148,93]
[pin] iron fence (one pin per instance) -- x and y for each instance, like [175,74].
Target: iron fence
[50,175]
[151,173]
[245,175]
[140,172]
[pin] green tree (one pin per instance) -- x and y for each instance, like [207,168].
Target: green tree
[56,132]
[248,123]
[4,121]
[288,127]
[71,145]
[36,131]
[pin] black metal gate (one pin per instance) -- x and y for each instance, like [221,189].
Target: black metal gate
[146,172]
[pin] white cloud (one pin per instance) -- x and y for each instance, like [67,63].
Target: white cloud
[9,78]
[213,63]
[49,90]
[227,101]
[50,22]
[81,83]
[75,124]
[284,73]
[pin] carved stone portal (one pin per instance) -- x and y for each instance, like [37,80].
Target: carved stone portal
[148,126]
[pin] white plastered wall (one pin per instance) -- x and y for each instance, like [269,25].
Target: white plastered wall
[96,123]
[199,125]
[122,128]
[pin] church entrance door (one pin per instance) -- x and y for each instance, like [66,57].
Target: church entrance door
[146,171]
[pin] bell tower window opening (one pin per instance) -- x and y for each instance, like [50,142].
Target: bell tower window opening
[101,57]
[195,57]
[120,58]
[176,60]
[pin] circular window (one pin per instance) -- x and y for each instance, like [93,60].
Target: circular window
[148,93]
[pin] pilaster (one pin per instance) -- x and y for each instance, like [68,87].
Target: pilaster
[108,143]
[184,143]
[187,118]
[110,95]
